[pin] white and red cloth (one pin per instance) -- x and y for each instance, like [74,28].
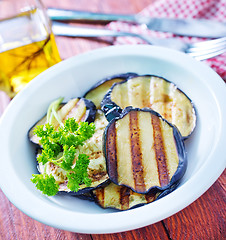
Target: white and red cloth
[208,9]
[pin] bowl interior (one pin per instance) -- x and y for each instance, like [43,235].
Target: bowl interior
[72,78]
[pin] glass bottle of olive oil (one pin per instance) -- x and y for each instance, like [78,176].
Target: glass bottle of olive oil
[27,47]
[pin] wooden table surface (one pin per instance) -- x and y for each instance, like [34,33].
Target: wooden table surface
[204,219]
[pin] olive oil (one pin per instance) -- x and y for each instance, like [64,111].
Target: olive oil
[27,47]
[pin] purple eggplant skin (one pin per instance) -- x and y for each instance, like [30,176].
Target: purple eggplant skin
[90,117]
[168,191]
[112,110]
[90,110]
[98,90]
[86,196]
[182,154]
[83,192]
[123,76]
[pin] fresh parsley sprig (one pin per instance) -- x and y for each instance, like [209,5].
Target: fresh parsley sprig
[45,183]
[79,174]
[59,147]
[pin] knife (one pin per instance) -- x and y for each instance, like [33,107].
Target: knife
[184,27]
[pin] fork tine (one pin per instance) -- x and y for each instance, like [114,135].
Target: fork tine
[207,49]
[207,42]
[194,51]
[210,44]
[202,55]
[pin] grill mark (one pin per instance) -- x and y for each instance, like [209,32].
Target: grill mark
[100,196]
[136,153]
[188,118]
[165,99]
[98,176]
[70,112]
[124,197]
[111,152]
[146,93]
[151,89]
[164,102]
[83,116]
[167,108]
[160,152]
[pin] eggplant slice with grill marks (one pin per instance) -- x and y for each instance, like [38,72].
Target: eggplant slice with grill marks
[156,93]
[96,170]
[81,109]
[86,196]
[144,151]
[121,197]
[97,92]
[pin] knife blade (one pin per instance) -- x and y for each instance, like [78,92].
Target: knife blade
[184,27]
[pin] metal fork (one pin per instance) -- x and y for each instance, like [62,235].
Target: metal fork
[200,51]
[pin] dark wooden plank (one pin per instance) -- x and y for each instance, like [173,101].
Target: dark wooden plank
[155,232]
[16,225]
[203,219]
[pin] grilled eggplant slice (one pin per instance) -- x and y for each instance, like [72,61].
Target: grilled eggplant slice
[86,196]
[83,110]
[97,92]
[92,147]
[121,197]
[144,151]
[156,93]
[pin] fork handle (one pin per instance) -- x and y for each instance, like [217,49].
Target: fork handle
[64,15]
[62,29]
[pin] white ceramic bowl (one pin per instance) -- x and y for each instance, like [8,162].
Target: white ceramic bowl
[72,78]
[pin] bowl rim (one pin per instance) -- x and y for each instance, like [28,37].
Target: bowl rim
[128,219]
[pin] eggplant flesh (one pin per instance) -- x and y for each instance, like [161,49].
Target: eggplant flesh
[158,94]
[81,109]
[97,167]
[121,197]
[144,151]
[97,92]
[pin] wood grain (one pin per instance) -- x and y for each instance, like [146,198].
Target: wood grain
[155,231]
[16,225]
[202,220]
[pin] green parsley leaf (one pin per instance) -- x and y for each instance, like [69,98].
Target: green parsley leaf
[79,175]
[74,134]
[45,183]
[68,157]
[86,130]
[70,125]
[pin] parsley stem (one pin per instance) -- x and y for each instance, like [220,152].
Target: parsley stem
[55,161]
[45,167]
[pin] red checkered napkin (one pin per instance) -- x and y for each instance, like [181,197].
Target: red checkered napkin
[208,9]
[4,101]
